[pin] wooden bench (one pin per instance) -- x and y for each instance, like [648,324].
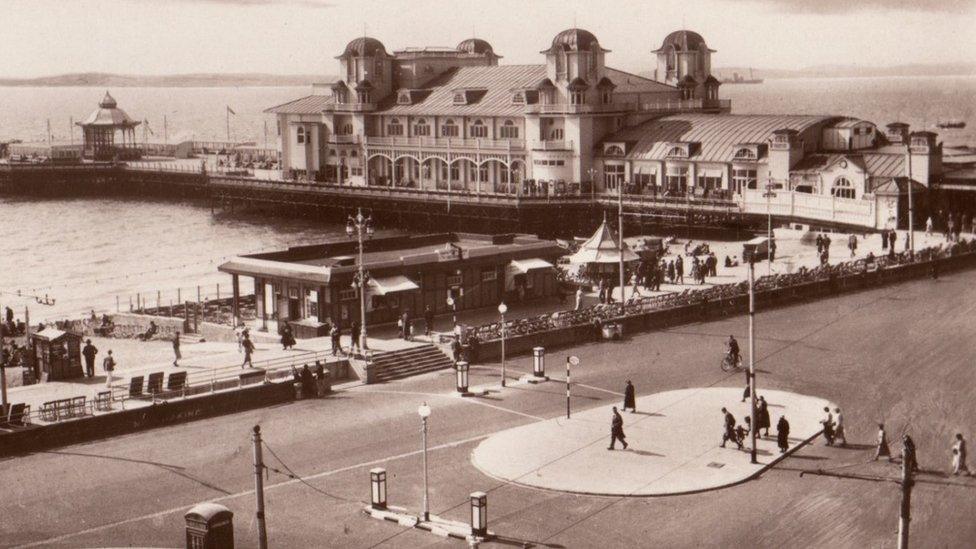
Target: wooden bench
[135,387]
[154,384]
[176,381]
[79,406]
[62,408]
[49,411]
[103,400]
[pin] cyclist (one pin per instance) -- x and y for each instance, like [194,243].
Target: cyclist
[733,353]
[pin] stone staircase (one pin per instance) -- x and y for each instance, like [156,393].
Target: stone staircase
[422,359]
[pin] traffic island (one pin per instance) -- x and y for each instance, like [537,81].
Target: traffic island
[674,445]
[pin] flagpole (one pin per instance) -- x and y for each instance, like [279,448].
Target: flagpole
[227,114]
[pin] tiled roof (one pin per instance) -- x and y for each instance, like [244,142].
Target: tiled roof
[718,134]
[497,101]
[313,104]
[874,163]
[631,83]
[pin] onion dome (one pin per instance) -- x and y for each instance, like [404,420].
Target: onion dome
[364,46]
[475,46]
[574,40]
[684,40]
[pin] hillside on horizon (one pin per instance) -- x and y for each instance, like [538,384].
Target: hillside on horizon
[163,81]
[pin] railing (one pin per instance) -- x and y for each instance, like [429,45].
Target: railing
[553,145]
[350,107]
[677,202]
[850,211]
[447,143]
[343,139]
[675,105]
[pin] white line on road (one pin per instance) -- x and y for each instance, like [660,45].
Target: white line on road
[470,400]
[267,487]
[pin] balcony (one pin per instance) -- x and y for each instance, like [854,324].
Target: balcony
[676,105]
[350,139]
[350,107]
[448,143]
[577,109]
[553,145]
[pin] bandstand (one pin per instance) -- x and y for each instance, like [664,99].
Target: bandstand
[100,130]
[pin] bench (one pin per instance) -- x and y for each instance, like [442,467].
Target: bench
[103,400]
[154,384]
[49,411]
[79,406]
[62,408]
[176,381]
[19,414]
[135,387]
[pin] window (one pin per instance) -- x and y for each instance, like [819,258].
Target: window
[508,130]
[454,280]
[394,127]
[347,294]
[677,152]
[403,98]
[301,135]
[606,97]
[488,276]
[745,154]
[710,182]
[743,179]
[449,129]
[478,129]
[278,127]
[355,171]
[643,180]
[613,175]
[459,98]
[353,153]
[421,128]
[556,134]
[842,188]
[344,129]
[614,150]
[454,173]
[362,96]
[577,97]
[483,172]
[676,179]
[519,97]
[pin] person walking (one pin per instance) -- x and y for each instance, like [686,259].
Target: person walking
[89,352]
[783,434]
[892,239]
[617,430]
[679,270]
[630,400]
[729,425]
[959,456]
[355,332]
[405,317]
[884,239]
[248,346]
[108,364]
[239,333]
[883,449]
[852,244]
[839,433]
[176,349]
[762,416]
[602,290]
[928,225]
[287,337]
[335,335]
[579,299]
[909,454]
[428,320]
[828,427]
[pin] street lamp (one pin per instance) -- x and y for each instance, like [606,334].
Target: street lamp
[453,305]
[502,309]
[769,194]
[620,236]
[424,412]
[360,226]
[752,357]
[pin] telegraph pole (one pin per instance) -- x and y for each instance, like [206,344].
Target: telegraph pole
[259,488]
[911,211]
[906,502]
[620,245]
[752,356]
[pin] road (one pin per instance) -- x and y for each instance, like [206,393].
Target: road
[899,354]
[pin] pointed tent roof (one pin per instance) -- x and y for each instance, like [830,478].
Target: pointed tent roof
[601,248]
[109,114]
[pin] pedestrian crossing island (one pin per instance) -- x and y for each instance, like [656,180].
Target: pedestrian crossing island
[674,445]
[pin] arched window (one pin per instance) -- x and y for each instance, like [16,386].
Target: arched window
[478,129]
[747,154]
[614,150]
[677,151]
[301,134]
[508,130]
[842,188]
[394,127]
[421,128]
[449,128]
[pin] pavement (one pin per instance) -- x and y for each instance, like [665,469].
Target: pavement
[673,445]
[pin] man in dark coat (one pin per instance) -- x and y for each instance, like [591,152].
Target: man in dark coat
[884,239]
[762,419]
[89,352]
[783,434]
[908,454]
[335,335]
[356,331]
[617,430]
[308,382]
[730,429]
[629,400]
[428,320]
[248,346]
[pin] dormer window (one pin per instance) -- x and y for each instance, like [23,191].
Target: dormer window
[362,96]
[478,129]
[677,152]
[403,98]
[613,150]
[460,98]
[745,154]
[577,97]
[449,129]
[394,127]
[606,97]
[518,98]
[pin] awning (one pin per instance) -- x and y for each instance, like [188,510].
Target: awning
[391,284]
[523,266]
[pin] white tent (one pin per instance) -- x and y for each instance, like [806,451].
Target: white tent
[601,248]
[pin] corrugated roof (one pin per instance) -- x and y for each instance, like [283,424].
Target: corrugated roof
[312,104]
[497,101]
[631,83]
[874,163]
[717,134]
[848,123]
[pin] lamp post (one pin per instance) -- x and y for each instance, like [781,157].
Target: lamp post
[360,226]
[592,172]
[620,237]
[752,357]
[911,212]
[424,412]
[502,309]
[768,195]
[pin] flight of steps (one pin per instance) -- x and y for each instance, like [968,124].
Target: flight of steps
[391,365]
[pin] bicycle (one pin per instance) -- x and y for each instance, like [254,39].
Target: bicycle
[727,364]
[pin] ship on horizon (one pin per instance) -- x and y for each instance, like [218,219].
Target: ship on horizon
[738,79]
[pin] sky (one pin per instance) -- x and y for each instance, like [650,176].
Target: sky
[47,37]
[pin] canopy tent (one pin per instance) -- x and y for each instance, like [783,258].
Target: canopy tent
[601,248]
[391,284]
[523,267]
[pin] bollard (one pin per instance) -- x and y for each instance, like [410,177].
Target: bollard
[479,514]
[462,377]
[377,481]
[539,361]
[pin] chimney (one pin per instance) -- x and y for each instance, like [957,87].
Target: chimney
[897,132]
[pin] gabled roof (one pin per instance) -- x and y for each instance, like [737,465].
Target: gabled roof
[718,135]
[578,84]
[312,104]
[632,83]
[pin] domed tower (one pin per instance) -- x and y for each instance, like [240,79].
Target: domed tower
[683,54]
[476,47]
[574,63]
[367,69]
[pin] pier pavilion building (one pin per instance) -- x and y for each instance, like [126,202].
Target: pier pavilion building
[103,126]
[313,285]
[455,120]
